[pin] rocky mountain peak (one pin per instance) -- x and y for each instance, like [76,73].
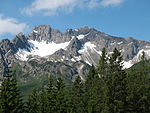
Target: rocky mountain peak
[39,33]
[20,41]
[20,34]
[70,32]
[74,46]
[46,33]
[78,39]
[82,45]
[6,45]
[86,30]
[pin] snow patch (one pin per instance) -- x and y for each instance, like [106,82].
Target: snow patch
[81,67]
[87,45]
[137,58]
[130,43]
[120,43]
[113,43]
[99,52]
[73,37]
[73,60]
[77,58]
[35,31]
[44,49]
[148,47]
[41,49]
[63,57]
[127,65]
[80,37]
[22,54]
[88,63]
[84,51]
[76,30]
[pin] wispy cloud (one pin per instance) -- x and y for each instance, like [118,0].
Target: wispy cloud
[52,7]
[111,2]
[11,25]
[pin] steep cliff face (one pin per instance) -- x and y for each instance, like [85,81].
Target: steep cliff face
[21,42]
[3,65]
[47,50]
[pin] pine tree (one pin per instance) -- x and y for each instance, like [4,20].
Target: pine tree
[138,93]
[115,85]
[43,102]
[50,96]
[77,102]
[88,85]
[93,92]
[60,100]
[91,75]
[103,64]
[33,102]
[143,57]
[139,88]
[10,99]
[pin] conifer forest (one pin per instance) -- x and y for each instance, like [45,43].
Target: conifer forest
[107,88]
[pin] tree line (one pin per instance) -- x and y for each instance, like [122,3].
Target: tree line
[108,88]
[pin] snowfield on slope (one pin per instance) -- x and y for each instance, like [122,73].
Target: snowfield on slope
[44,49]
[41,49]
[80,37]
[89,45]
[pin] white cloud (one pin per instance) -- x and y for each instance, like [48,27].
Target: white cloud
[52,7]
[11,26]
[111,2]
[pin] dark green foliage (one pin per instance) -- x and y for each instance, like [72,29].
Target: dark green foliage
[50,97]
[48,100]
[10,99]
[103,64]
[115,85]
[139,88]
[60,100]
[33,102]
[93,92]
[138,93]
[108,88]
[43,106]
[92,73]
[77,102]
[143,58]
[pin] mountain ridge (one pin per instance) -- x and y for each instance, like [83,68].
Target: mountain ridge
[80,47]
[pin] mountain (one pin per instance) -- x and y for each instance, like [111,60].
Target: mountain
[48,51]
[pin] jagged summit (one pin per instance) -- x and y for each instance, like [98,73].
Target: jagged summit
[41,32]
[21,42]
[80,46]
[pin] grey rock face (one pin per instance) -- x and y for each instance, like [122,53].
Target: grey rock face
[6,45]
[7,50]
[46,33]
[69,58]
[60,55]
[128,46]
[21,42]
[40,33]
[74,46]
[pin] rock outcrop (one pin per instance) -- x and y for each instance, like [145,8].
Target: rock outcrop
[73,50]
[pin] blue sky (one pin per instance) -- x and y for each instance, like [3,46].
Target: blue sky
[122,18]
